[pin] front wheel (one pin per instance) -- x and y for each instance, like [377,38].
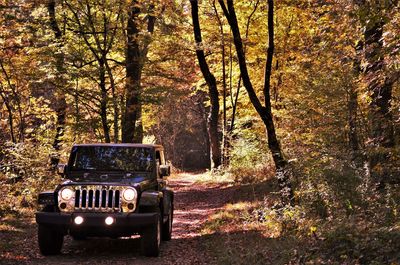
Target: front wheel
[50,240]
[151,239]
[167,226]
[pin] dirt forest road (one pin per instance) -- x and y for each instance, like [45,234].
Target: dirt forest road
[194,202]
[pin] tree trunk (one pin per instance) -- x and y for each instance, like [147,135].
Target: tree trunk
[234,102]
[10,115]
[215,148]
[60,101]
[352,105]
[77,109]
[114,101]
[381,91]
[106,34]
[132,129]
[224,161]
[200,98]
[17,100]
[273,142]
[104,101]
[265,113]
[133,77]
[380,116]
[138,136]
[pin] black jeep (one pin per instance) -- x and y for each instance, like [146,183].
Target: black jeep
[111,190]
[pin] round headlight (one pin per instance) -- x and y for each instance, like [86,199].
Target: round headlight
[66,194]
[129,194]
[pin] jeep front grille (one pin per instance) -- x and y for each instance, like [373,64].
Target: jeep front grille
[98,199]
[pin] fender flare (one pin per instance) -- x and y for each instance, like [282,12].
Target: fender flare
[168,201]
[150,199]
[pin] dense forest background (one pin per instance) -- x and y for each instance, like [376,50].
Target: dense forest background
[302,91]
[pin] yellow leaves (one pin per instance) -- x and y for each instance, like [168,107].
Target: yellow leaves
[313,230]
[241,206]
[229,218]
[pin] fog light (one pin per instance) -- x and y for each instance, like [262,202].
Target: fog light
[130,206]
[109,220]
[63,205]
[78,220]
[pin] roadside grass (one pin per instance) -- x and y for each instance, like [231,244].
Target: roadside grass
[10,226]
[215,177]
[206,177]
[17,238]
[369,244]
[17,209]
[251,247]
[253,230]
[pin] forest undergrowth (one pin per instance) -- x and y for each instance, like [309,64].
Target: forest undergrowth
[340,217]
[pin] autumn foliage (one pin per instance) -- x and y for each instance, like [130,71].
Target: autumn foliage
[325,114]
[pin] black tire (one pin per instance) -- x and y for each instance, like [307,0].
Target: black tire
[167,226]
[50,240]
[151,239]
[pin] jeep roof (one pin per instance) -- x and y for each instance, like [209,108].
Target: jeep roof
[123,145]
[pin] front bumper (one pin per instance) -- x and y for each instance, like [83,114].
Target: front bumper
[94,223]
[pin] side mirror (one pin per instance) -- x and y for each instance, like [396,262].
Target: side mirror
[165,170]
[61,168]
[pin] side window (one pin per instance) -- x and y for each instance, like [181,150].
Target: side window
[158,162]
[158,158]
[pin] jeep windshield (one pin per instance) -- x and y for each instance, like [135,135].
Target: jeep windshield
[111,158]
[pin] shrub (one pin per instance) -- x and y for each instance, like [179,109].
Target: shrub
[248,160]
[24,172]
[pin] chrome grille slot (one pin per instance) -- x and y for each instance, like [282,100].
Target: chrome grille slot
[116,198]
[83,199]
[90,199]
[97,198]
[77,198]
[110,199]
[103,198]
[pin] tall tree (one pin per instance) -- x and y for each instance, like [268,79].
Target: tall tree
[264,111]
[136,54]
[373,18]
[352,105]
[215,146]
[224,88]
[234,99]
[60,101]
[97,26]
[14,70]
